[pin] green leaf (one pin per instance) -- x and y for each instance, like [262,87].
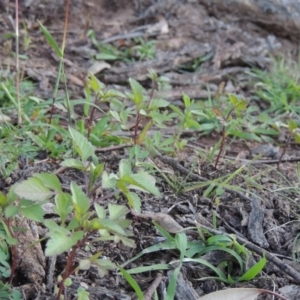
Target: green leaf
[95,84]
[111,226]
[109,181]
[124,167]
[63,206]
[68,282]
[158,103]
[95,172]
[186,100]
[172,284]
[134,201]
[73,163]
[11,196]
[11,211]
[194,249]
[33,212]
[100,211]
[82,294]
[254,270]
[150,268]
[143,133]
[164,233]
[292,125]
[105,56]
[53,227]
[143,181]
[151,249]
[117,211]
[219,239]
[181,243]
[60,243]
[80,200]
[51,40]
[177,110]
[190,123]
[137,90]
[3,200]
[132,283]
[103,266]
[49,180]
[83,147]
[33,189]
[127,242]
[220,274]
[84,264]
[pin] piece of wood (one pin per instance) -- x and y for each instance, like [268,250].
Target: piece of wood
[282,17]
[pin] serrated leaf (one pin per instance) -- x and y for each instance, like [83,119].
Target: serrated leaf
[49,180]
[124,167]
[34,212]
[111,226]
[73,163]
[142,180]
[80,200]
[116,211]
[137,90]
[186,100]
[53,227]
[103,266]
[134,201]
[159,103]
[95,172]
[60,243]
[100,211]
[109,181]
[63,206]
[190,123]
[83,147]
[95,84]
[11,211]
[33,189]
[127,242]
[114,94]
[84,264]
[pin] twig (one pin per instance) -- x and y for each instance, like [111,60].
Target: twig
[151,289]
[174,163]
[112,148]
[129,35]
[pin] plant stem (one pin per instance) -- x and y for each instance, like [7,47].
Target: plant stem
[17,65]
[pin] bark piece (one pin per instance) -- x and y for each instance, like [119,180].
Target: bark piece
[282,17]
[31,259]
[256,218]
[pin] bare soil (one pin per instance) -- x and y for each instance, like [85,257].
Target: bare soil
[184,31]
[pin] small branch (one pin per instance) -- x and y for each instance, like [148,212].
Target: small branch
[112,148]
[151,289]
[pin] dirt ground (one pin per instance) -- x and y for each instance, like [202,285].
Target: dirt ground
[184,31]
